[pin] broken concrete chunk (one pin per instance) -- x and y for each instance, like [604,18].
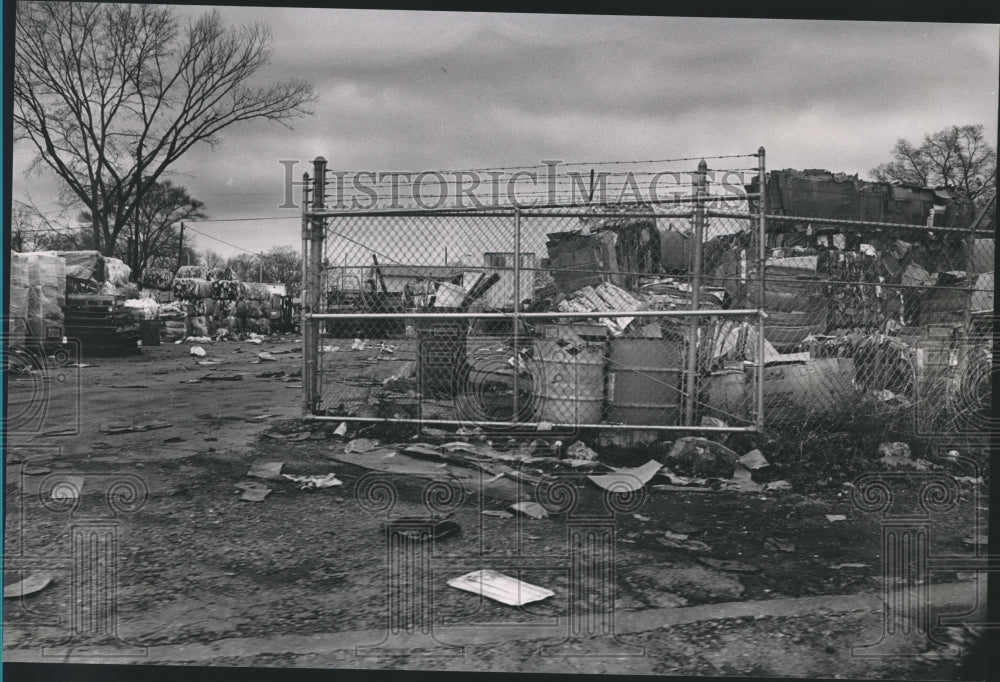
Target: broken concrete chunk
[266,357]
[255,493]
[580,451]
[198,351]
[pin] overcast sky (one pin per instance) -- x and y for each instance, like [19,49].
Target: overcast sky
[428,90]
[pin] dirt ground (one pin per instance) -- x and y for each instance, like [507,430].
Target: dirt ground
[304,578]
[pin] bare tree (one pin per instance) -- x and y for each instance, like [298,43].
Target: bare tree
[111,96]
[152,232]
[32,230]
[958,158]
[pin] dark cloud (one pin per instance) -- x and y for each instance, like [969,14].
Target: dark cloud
[419,90]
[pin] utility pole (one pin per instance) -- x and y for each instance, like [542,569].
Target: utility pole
[180,247]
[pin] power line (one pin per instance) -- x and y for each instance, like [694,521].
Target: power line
[223,241]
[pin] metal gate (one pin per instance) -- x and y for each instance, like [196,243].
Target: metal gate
[559,316]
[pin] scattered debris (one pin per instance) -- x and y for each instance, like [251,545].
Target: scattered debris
[499,513]
[362,445]
[702,457]
[255,340]
[713,422]
[269,470]
[260,418]
[341,430]
[580,451]
[778,545]
[627,480]
[840,566]
[173,439]
[545,426]
[682,488]
[314,482]
[331,349]
[266,357]
[113,428]
[359,344]
[501,588]
[754,460]
[439,531]
[778,485]
[253,492]
[640,517]
[681,541]
[742,481]
[220,377]
[683,527]
[198,351]
[30,585]
[897,455]
[835,517]
[976,539]
[728,565]
[532,509]
[69,488]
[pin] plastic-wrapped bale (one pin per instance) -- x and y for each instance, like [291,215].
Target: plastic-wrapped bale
[142,308]
[210,306]
[197,306]
[225,308]
[192,271]
[84,266]
[46,293]
[174,311]
[192,288]
[129,291]
[157,278]
[240,310]
[224,273]
[116,271]
[198,325]
[229,324]
[227,289]
[252,309]
[264,326]
[172,330]
[18,313]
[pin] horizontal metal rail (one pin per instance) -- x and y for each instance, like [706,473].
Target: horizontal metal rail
[533,426]
[527,212]
[750,312]
[866,223]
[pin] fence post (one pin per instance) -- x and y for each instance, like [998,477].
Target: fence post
[699,184]
[312,301]
[761,259]
[517,314]
[303,322]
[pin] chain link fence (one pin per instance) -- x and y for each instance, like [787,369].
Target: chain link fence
[643,318]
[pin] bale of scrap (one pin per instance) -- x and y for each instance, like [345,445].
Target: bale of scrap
[192,288]
[194,271]
[221,273]
[157,278]
[227,289]
[17,329]
[256,291]
[116,271]
[46,292]
[84,266]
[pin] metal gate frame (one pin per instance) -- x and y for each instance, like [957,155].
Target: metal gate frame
[314,225]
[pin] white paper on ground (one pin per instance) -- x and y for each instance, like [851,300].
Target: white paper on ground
[501,588]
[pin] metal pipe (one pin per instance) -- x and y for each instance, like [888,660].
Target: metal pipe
[517,308]
[542,210]
[699,183]
[534,425]
[315,294]
[742,312]
[303,323]
[761,258]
